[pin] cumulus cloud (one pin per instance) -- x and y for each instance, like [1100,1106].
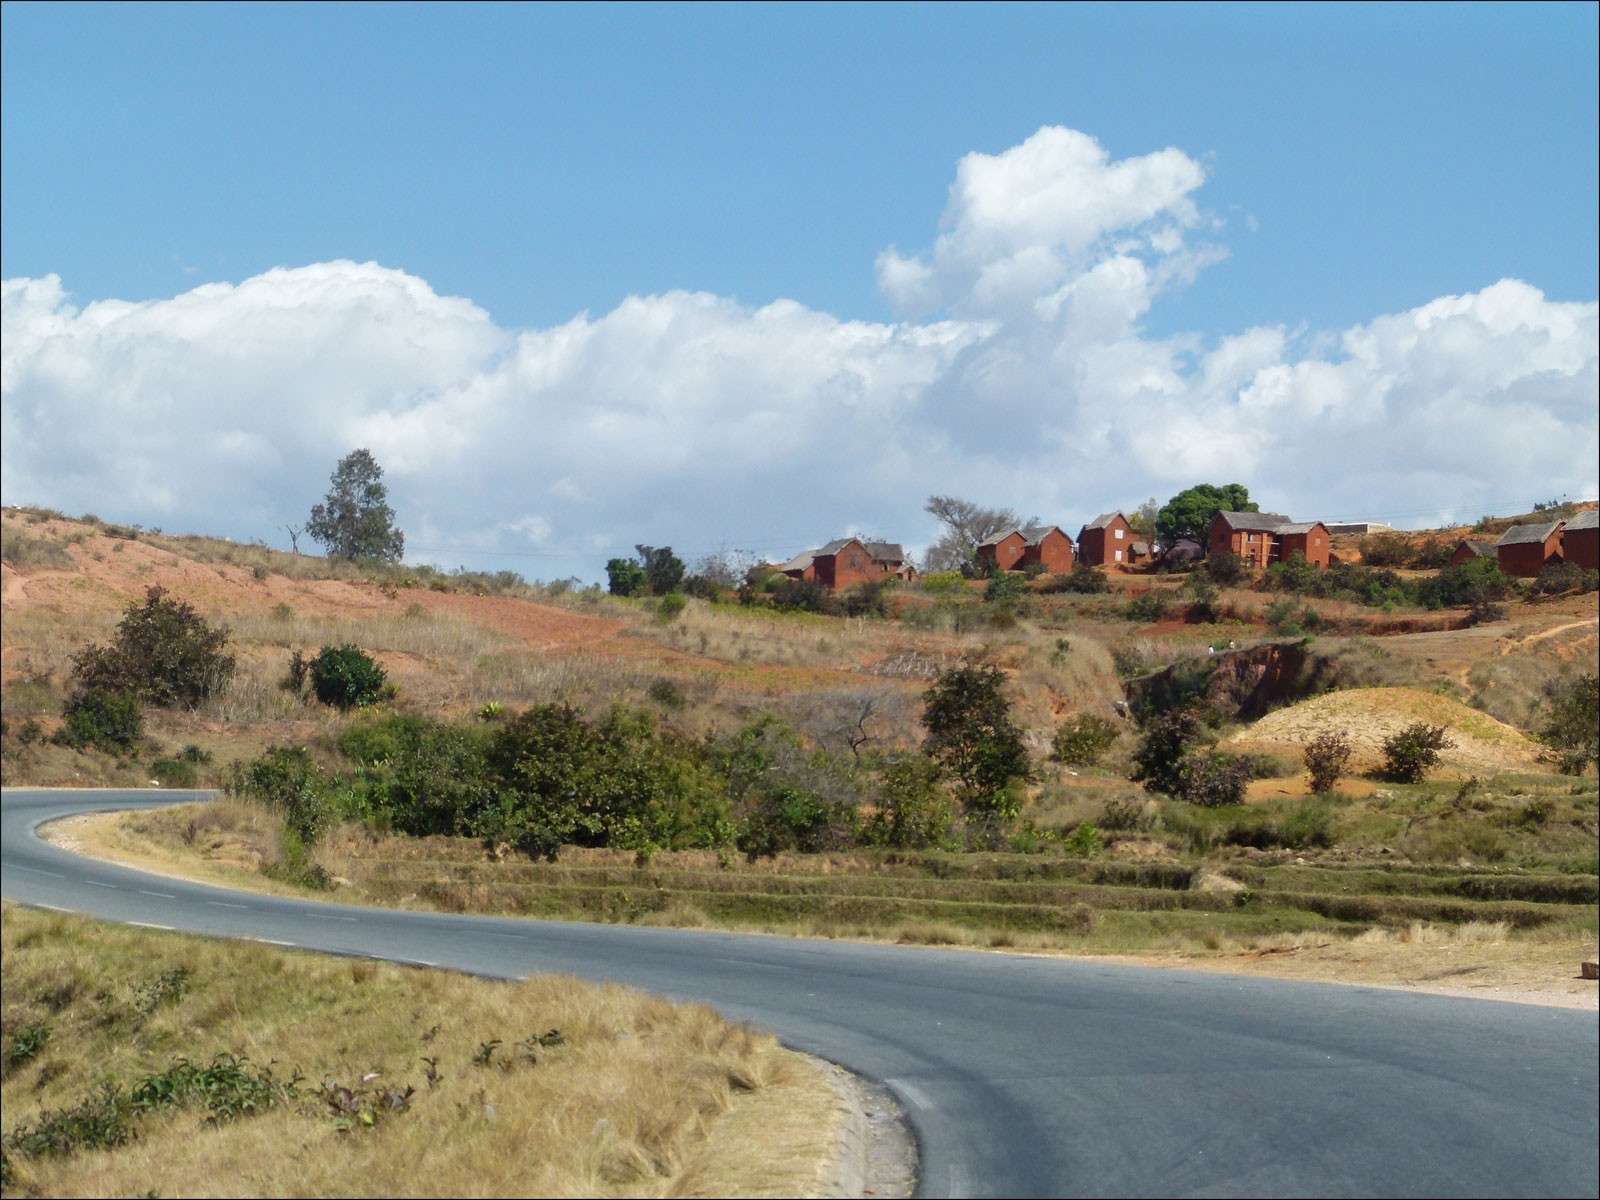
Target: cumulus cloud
[686,418]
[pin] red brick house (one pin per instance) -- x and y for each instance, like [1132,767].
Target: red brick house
[1580,540]
[1470,549]
[1106,539]
[1526,549]
[1044,546]
[1262,539]
[845,562]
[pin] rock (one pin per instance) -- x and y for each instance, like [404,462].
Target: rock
[1591,970]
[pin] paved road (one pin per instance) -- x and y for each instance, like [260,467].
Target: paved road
[1022,1076]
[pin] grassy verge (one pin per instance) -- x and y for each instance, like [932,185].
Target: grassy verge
[143,1063]
[1356,922]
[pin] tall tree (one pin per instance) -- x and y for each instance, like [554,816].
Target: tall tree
[1142,520]
[1189,513]
[355,520]
[966,525]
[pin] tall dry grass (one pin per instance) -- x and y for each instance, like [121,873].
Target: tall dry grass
[625,1103]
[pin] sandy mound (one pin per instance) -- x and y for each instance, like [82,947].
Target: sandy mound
[1369,715]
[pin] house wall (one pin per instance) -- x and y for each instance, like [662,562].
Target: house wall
[1053,553]
[1006,554]
[1109,545]
[1254,546]
[1463,554]
[1582,546]
[1527,559]
[1313,545]
[850,566]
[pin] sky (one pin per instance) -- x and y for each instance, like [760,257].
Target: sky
[748,277]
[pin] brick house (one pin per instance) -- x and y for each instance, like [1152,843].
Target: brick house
[1262,539]
[1579,544]
[1044,546]
[1525,549]
[1469,549]
[845,562]
[1106,539]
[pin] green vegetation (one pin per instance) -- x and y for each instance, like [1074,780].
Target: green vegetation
[164,654]
[1326,757]
[354,521]
[1190,512]
[1081,741]
[1414,751]
[102,719]
[346,677]
[1571,721]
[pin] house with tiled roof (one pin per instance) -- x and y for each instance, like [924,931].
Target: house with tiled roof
[1108,539]
[1262,539]
[1527,549]
[845,562]
[1580,540]
[1043,546]
[1469,549]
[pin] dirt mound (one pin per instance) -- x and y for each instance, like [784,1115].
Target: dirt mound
[1369,715]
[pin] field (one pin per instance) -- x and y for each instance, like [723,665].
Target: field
[139,1063]
[1491,859]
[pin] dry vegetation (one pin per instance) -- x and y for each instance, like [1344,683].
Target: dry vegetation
[633,1096]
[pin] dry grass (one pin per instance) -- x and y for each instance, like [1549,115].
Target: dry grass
[629,1103]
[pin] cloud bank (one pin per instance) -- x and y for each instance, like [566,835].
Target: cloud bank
[1018,374]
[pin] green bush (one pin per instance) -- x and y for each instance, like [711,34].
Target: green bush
[346,677]
[1226,568]
[864,600]
[1164,744]
[1213,780]
[1556,578]
[625,577]
[1570,720]
[940,582]
[101,718]
[1148,607]
[1326,756]
[789,819]
[1005,587]
[913,811]
[286,780]
[670,607]
[1386,550]
[164,653]
[1081,741]
[1082,579]
[971,734]
[174,773]
[1414,751]
[799,595]
[1309,826]
[1201,595]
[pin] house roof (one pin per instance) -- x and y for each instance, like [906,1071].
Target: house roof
[1481,549]
[1034,534]
[799,562]
[1000,537]
[834,546]
[886,551]
[1105,519]
[1520,535]
[1589,518]
[1255,520]
[1298,527]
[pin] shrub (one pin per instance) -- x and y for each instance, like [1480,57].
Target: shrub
[939,582]
[1555,578]
[803,595]
[1213,780]
[1571,721]
[286,780]
[625,577]
[971,734]
[1165,742]
[1149,607]
[1386,550]
[104,719]
[1127,812]
[346,677]
[788,819]
[1201,594]
[1309,826]
[666,693]
[1226,568]
[913,811]
[1081,741]
[864,600]
[1082,578]
[1326,756]
[1084,841]
[164,653]
[173,773]
[1005,587]
[1412,752]
[670,607]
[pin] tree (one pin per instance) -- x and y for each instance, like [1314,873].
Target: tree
[1571,721]
[662,568]
[1189,513]
[625,577]
[165,653]
[355,520]
[966,525]
[971,733]
[1414,751]
[1142,520]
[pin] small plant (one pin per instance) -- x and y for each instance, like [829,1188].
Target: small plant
[670,607]
[174,773]
[1084,841]
[167,987]
[1326,756]
[484,1054]
[1081,741]
[1226,568]
[1414,751]
[493,710]
[666,693]
[297,674]
[24,1044]
[346,677]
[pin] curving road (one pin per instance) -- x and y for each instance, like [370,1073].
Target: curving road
[1021,1076]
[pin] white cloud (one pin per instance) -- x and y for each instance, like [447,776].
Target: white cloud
[689,419]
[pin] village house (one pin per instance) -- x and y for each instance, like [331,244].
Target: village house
[1580,540]
[1106,539]
[1525,550]
[1044,546]
[845,562]
[1469,549]
[1262,539]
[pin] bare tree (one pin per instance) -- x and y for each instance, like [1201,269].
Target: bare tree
[966,525]
[294,537]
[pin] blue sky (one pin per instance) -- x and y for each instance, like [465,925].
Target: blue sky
[542,162]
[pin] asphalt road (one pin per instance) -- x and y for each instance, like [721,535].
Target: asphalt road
[1022,1076]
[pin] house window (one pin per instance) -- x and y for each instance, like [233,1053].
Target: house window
[1119,555]
[1117,535]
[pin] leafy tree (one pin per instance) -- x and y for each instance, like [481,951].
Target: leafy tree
[346,677]
[966,526]
[1411,753]
[101,718]
[1142,520]
[971,733]
[1164,745]
[1189,513]
[1571,724]
[165,653]
[625,577]
[355,520]
[1081,741]
[663,569]
[1326,756]
[913,811]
